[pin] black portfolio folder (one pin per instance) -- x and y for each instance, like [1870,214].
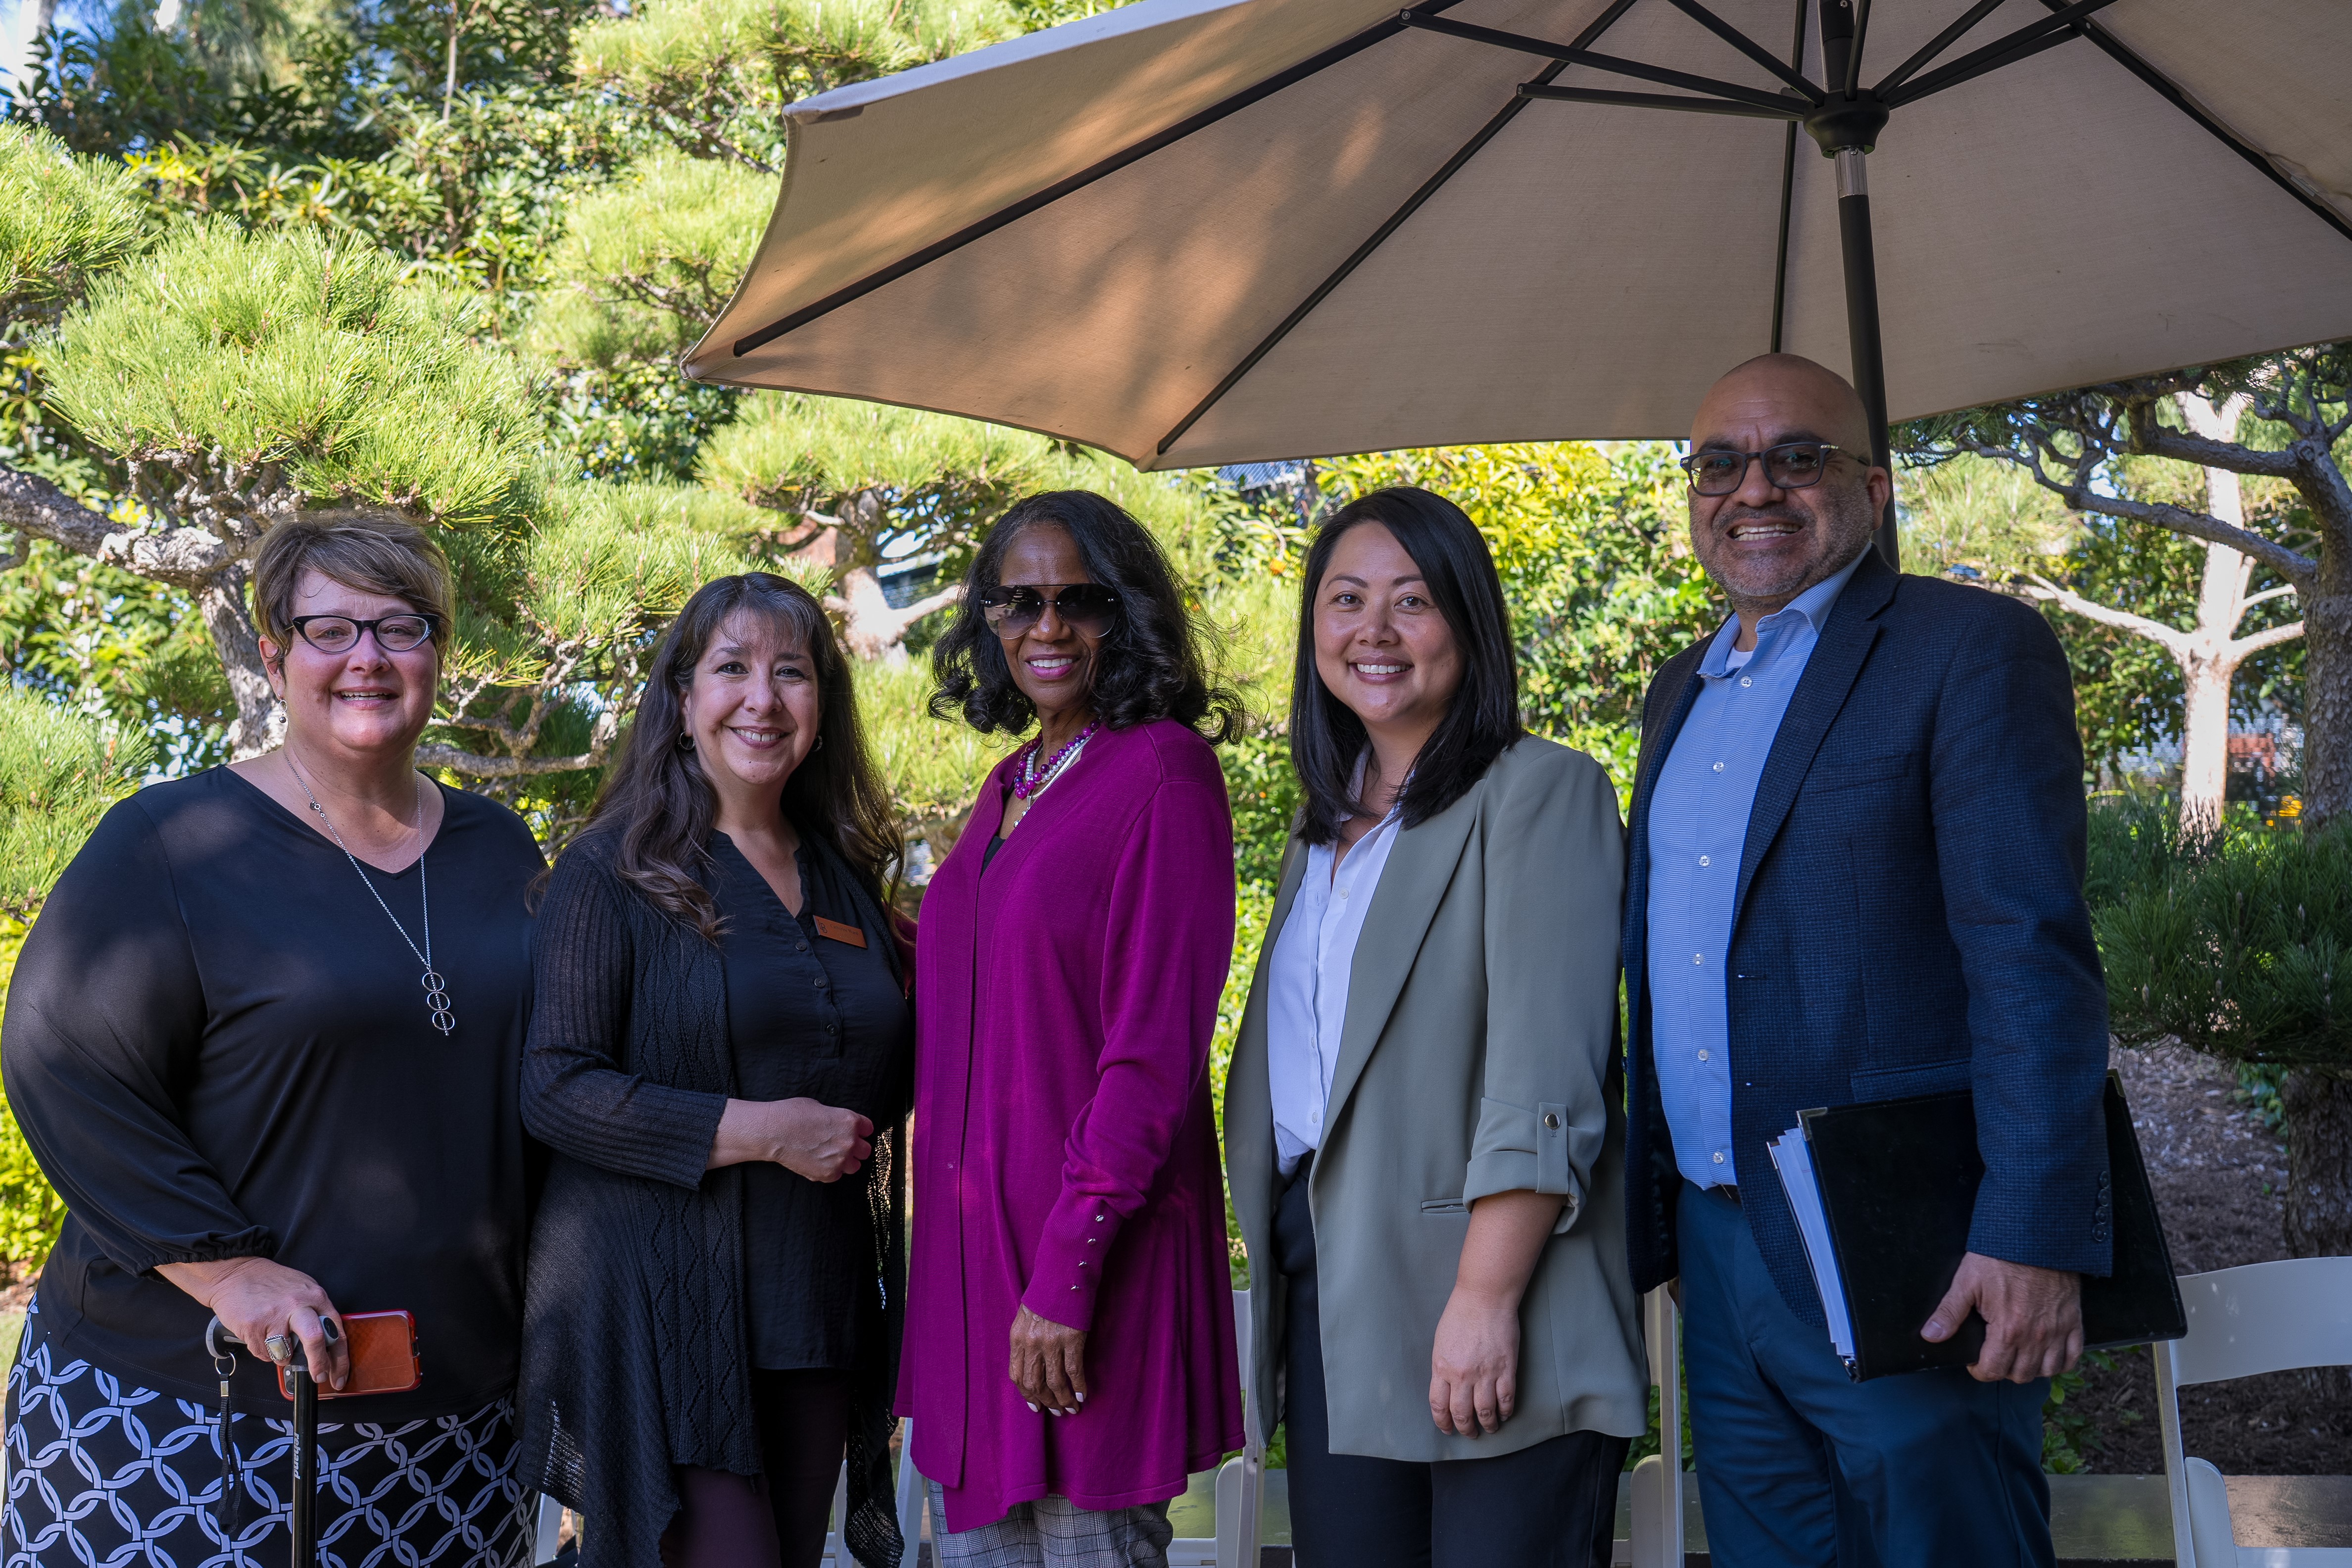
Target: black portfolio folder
[1887,1190]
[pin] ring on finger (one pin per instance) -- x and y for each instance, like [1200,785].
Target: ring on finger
[281,1347]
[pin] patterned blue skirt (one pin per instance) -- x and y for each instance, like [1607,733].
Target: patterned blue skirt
[105,1474]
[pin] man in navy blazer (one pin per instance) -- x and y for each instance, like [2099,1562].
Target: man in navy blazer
[1856,873]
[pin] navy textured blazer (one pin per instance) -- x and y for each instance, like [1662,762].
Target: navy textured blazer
[1909,918]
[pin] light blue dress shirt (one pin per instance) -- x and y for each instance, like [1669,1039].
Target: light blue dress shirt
[1307,989]
[1698,826]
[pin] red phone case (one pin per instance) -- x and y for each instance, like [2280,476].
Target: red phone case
[384,1356]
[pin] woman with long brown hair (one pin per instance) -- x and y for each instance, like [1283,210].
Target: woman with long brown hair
[719,1056]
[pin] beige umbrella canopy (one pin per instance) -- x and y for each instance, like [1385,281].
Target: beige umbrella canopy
[1209,231]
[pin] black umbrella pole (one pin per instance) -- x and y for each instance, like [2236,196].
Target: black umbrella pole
[1862,324]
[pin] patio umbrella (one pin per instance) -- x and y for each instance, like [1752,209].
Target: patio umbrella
[1196,232]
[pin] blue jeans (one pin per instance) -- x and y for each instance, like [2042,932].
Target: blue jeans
[1800,1466]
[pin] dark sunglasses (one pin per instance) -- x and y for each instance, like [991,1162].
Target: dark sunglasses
[1088,608]
[1792,466]
[341,634]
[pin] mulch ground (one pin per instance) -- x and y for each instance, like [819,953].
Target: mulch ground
[2217,1172]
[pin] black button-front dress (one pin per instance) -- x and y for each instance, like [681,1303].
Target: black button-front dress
[811,1017]
[218,1047]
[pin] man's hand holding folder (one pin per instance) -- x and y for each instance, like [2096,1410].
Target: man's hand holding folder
[2033,1318]
[1883,1194]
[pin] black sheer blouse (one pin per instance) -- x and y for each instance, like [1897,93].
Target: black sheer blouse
[218,1047]
[809,1016]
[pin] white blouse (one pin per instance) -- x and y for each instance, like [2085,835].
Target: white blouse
[1307,999]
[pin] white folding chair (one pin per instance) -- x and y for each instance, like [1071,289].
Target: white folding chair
[1657,1535]
[912,1494]
[1241,1481]
[1241,1484]
[549,1534]
[2264,1317]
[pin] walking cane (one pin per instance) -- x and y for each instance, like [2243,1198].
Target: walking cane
[296,1371]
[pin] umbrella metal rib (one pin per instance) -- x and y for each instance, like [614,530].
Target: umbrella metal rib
[1789,189]
[1938,43]
[1570,55]
[2029,39]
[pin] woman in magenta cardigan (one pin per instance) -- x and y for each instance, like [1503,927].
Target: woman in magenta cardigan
[1069,1355]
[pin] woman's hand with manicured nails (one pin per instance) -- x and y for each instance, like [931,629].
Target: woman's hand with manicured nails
[823,1142]
[1049,1364]
[255,1298]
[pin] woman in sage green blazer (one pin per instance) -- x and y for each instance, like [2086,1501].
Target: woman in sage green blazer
[1424,1131]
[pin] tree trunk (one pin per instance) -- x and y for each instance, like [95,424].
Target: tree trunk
[2318,1104]
[2205,740]
[260,721]
[2327,687]
[868,625]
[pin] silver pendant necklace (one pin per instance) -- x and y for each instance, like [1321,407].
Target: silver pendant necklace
[436,990]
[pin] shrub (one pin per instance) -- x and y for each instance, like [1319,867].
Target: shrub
[59,773]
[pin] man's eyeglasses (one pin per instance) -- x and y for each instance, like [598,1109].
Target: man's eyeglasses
[1792,466]
[1088,608]
[341,634]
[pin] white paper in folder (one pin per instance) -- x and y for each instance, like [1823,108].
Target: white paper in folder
[1793,1158]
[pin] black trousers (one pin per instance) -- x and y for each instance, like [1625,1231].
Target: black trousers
[1553,1505]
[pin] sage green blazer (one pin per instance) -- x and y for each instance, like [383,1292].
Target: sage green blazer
[1479,1057]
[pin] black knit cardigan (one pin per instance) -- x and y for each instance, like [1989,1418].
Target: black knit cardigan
[634,1355]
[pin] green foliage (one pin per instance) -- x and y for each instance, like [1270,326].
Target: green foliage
[2240,950]
[59,773]
[2071,1438]
[934,767]
[96,639]
[30,1209]
[939,478]
[308,354]
[1980,519]
[63,219]
[657,251]
[713,76]
[1596,564]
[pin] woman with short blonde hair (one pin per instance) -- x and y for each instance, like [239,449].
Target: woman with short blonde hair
[265,1040]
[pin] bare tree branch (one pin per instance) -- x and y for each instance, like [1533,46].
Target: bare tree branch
[2251,600]
[475,765]
[2077,492]
[37,508]
[2172,637]
[950,595]
[2163,441]
[185,557]
[2270,638]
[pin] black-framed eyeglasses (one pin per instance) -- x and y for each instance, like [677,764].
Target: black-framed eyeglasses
[1088,608]
[1790,465]
[341,634]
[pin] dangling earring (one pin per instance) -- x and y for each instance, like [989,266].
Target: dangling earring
[685,742]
